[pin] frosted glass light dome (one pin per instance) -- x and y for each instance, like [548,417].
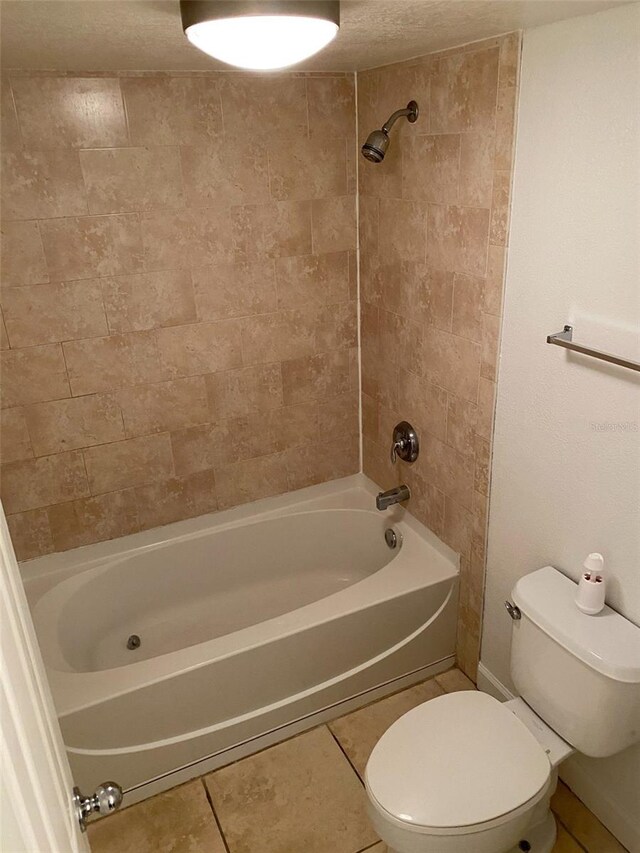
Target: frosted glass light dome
[261,37]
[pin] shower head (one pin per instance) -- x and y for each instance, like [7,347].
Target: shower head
[376,146]
[377,142]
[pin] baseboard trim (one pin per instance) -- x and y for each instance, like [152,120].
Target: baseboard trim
[576,776]
[488,683]
[584,786]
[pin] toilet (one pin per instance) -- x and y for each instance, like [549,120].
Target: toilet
[465,773]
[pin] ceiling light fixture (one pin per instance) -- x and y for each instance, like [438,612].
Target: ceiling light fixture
[260,34]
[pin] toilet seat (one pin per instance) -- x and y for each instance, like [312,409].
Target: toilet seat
[457,764]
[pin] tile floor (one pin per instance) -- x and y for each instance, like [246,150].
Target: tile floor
[304,795]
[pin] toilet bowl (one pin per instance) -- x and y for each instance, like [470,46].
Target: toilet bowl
[465,773]
[457,774]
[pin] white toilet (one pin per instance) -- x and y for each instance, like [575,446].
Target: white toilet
[465,773]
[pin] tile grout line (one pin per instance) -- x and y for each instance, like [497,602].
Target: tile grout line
[215,816]
[358,277]
[340,747]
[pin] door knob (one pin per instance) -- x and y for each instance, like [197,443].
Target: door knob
[105,799]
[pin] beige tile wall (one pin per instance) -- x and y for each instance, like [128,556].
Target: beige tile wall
[179,294]
[178,297]
[433,231]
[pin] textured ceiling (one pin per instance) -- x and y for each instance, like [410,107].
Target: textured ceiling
[106,35]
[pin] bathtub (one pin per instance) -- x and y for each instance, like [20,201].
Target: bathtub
[253,624]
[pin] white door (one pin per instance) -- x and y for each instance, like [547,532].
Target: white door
[36,805]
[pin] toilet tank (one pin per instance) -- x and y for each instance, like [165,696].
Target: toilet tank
[580,673]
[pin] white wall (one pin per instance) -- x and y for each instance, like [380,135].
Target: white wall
[566,466]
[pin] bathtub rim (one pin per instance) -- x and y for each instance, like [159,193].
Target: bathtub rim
[343,494]
[74,583]
[40,573]
[75,690]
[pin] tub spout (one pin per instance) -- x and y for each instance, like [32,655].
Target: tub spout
[392,496]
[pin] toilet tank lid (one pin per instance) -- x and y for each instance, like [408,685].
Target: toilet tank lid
[608,643]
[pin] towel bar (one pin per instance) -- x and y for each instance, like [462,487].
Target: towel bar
[564,339]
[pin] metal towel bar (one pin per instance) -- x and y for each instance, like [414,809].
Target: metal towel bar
[564,339]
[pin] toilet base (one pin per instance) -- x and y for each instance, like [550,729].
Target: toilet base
[540,837]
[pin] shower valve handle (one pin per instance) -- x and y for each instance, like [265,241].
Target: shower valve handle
[404,443]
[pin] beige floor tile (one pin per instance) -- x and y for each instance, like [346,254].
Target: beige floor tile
[454,680]
[565,843]
[179,821]
[300,795]
[582,823]
[359,731]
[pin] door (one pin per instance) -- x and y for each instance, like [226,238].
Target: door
[37,809]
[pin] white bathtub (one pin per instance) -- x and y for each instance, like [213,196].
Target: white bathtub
[254,623]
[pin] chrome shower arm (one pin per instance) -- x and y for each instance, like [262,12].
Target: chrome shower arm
[386,127]
[410,111]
